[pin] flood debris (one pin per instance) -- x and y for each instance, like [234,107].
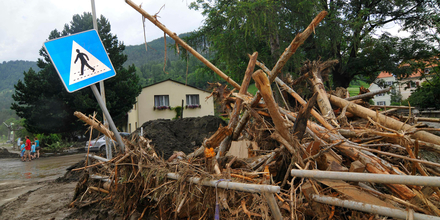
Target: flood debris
[341,145]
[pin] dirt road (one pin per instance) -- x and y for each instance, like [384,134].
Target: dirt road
[28,190]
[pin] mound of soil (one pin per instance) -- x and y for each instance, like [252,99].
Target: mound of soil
[4,153]
[184,134]
[70,176]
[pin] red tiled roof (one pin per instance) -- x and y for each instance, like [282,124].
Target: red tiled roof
[384,74]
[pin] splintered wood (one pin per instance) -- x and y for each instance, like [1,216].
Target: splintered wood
[209,183]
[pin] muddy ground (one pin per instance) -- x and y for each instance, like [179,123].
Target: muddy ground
[4,153]
[180,135]
[49,199]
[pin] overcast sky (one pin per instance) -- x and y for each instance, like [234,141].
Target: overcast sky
[25,24]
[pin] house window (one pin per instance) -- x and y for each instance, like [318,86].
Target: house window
[389,83]
[381,94]
[161,101]
[192,101]
[411,84]
[381,103]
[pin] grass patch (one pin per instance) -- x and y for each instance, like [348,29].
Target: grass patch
[252,89]
[354,87]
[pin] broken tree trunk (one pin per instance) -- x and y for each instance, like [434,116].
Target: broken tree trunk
[423,119]
[383,120]
[322,100]
[369,94]
[303,116]
[96,125]
[263,85]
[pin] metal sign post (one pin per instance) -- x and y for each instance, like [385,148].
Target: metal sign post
[108,149]
[107,115]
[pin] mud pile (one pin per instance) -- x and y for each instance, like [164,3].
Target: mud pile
[4,153]
[184,134]
[72,176]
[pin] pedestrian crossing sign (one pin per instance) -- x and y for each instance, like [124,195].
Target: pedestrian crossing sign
[80,59]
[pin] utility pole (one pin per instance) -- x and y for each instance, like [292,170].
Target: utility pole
[108,149]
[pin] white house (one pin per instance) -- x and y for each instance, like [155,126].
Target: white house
[158,101]
[405,86]
[384,98]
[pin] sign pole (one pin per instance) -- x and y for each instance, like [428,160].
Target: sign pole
[108,149]
[107,115]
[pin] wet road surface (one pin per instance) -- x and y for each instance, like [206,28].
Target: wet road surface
[38,169]
[17,177]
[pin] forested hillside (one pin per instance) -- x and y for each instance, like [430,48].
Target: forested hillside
[12,71]
[151,68]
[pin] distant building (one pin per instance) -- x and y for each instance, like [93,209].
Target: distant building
[384,98]
[157,101]
[401,86]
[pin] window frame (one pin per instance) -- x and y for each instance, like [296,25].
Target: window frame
[163,101]
[380,102]
[192,101]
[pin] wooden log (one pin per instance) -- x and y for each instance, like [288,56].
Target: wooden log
[322,100]
[98,126]
[423,119]
[369,94]
[217,137]
[383,120]
[389,106]
[183,44]
[263,85]
[357,166]
[388,111]
[303,116]
[99,189]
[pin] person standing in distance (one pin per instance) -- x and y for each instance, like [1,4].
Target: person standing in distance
[27,152]
[37,145]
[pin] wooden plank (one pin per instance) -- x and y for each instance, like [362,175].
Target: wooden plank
[355,193]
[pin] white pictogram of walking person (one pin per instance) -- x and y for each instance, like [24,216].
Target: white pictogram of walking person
[82,57]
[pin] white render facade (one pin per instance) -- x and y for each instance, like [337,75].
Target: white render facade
[384,98]
[404,86]
[158,100]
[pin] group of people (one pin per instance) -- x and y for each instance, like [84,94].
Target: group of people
[30,150]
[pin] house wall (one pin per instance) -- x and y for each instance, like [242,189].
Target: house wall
[133,118]
[403,86]
[176,92]
[386,97]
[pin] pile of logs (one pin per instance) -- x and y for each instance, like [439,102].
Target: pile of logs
[339,160]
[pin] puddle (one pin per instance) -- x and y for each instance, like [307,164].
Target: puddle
[15,169]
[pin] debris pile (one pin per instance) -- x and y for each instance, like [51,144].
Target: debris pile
[339,160]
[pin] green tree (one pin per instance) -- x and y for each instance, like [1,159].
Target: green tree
[47,107]
[351,33]
[428,94]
